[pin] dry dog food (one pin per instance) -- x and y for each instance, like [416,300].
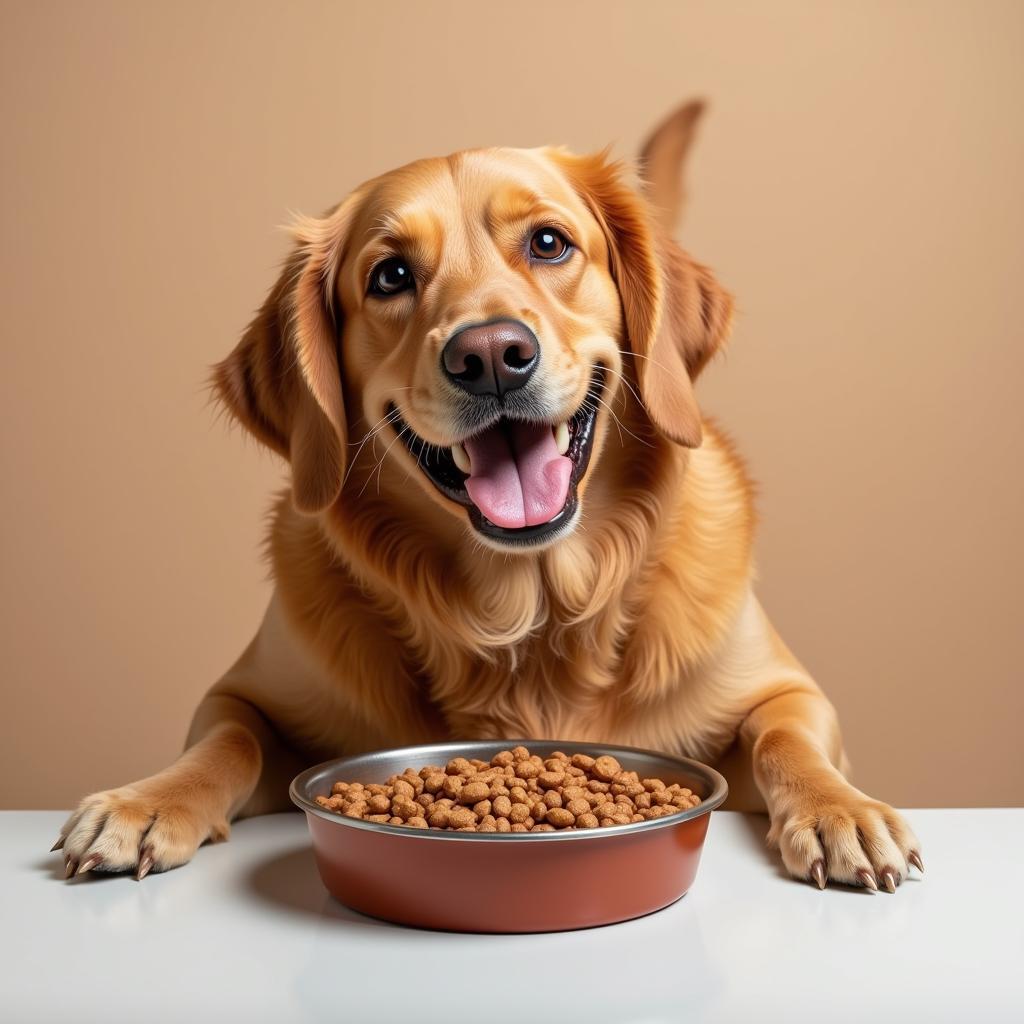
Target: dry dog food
[516,792]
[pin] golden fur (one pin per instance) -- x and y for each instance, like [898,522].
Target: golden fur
[392,624]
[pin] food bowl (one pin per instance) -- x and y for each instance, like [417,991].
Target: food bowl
[507,882]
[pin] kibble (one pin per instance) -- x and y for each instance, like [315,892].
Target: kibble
[516,792]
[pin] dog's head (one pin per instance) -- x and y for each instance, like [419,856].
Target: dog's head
[474,317]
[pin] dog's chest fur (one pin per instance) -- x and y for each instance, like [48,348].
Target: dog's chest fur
[606,637]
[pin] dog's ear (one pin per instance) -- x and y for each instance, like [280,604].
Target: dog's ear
[676,314]
[282,381]
[661,162]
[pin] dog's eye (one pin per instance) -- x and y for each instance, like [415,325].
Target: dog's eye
[390,277]
[548,244]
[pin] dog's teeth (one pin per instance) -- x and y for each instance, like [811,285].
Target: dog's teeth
[562,438]
[461,458]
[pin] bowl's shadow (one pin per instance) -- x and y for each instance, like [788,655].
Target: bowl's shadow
[289,882]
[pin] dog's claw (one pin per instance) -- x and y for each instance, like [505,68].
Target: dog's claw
[145,863]
[915,858]
[818,873]
[867,880]
[89,863]
[889,880]
[57,845]
[70,866]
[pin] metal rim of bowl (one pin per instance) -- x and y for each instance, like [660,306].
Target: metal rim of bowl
[719,790]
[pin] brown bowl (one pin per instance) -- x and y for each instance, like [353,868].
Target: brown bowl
[507,882]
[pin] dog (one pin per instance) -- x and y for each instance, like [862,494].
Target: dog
[506,515]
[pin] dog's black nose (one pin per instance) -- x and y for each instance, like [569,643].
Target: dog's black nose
[491,359]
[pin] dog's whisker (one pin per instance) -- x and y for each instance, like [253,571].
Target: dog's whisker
[380,464]
[619,424]
[425,450]
[385,421]
[389,416]
[615,419]
[377,466]
[376,428]
[388,419]
[627,384]
[650,359]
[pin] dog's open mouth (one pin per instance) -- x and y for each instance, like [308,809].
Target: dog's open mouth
[517,478]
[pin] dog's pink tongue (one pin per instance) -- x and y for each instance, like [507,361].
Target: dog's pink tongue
[517,478]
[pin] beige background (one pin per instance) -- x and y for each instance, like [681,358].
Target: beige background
[857,184]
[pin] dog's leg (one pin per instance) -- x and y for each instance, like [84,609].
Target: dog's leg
[234,764]
[823,826]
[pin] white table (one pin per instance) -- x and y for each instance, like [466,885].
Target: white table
[246,932]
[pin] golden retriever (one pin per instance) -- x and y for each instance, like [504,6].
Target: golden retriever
[506,515]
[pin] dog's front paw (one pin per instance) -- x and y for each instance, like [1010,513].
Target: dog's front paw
[838,833]
[148,826]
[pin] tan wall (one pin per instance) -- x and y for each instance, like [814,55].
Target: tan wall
[858,185]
